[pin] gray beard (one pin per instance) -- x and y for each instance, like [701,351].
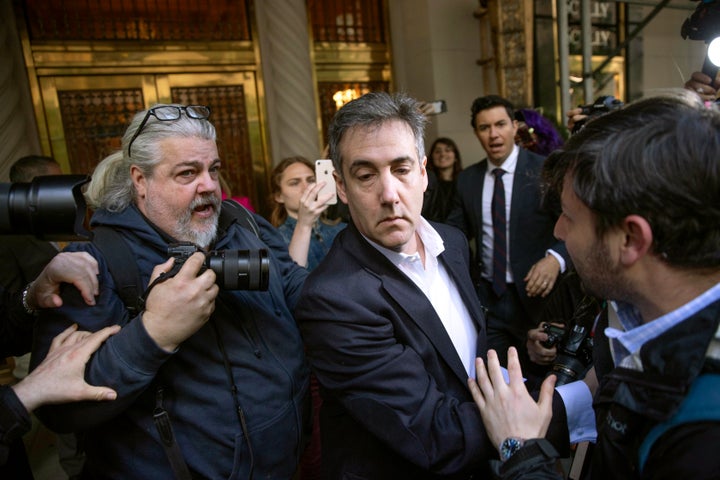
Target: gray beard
[202,238]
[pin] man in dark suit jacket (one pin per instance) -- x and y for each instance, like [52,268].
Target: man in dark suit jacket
[390,318]
[24,256]
[534,257]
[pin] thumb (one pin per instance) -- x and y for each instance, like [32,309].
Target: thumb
[101,394]
[545,399]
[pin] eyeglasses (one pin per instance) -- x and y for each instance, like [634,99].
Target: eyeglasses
[168,113]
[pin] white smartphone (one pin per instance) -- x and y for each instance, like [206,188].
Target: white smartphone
[437,106]
[324,173]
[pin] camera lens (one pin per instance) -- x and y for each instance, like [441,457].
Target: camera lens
[49,207]
[240,269]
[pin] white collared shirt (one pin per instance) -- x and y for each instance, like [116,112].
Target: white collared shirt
[509,166]
[440,289]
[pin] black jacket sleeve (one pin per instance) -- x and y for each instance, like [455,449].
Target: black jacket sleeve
[14,421]
[534,461]
[16,325]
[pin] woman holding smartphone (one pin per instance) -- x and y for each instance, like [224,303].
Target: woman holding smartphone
[299,211]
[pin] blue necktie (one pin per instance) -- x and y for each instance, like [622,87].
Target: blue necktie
[499,233]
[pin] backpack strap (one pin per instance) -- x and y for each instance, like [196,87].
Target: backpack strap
[122,267]
[242,215]
[701,403]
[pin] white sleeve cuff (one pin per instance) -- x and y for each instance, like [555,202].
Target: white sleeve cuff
[579,411]
[559,258]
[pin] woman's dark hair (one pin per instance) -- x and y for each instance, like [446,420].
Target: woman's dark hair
[279,213]
[457,166]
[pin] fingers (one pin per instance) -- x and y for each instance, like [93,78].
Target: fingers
[162,268]
[494,370]
[313,205]
[701,78]
[514,369]
[62,336]
[545,400]
[546,392]
[93,341]
[192,266]
[541,278]
[474,388]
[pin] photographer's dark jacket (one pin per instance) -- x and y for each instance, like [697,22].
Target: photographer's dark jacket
[630,403]
[263,347]
[15,339]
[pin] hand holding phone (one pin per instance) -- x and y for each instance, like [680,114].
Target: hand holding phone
[324,173]
[433,108]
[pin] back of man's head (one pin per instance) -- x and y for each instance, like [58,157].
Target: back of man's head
[31,166]
[487,102]
[372,110]
[657,158]
[111,186]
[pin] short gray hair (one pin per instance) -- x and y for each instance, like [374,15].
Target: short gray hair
[111,186]
[373,110]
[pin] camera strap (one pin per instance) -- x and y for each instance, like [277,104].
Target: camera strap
[167,438]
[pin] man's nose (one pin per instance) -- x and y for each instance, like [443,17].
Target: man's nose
[389,193]
[207,182]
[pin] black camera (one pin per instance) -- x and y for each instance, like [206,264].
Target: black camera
[234,269]
[704,24]
[603,104]
[574,355]
[575,344]
[51,207]
[555,335]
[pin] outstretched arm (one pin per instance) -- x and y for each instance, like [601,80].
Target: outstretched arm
[78,268]
[311,207]
[61,375]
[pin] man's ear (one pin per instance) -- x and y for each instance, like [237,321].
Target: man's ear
[637,241]
[340,186]
[139,180]
[423,172]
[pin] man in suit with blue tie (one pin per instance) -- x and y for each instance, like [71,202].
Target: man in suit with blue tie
[390,319]
[499,205]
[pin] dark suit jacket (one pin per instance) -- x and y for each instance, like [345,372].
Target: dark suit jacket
[396,401]
[23,257]
[531,227]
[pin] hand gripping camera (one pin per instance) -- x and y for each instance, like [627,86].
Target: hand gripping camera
[574,345]
[234,269]
[602,105]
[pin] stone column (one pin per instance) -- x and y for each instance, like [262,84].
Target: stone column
[288,81]
[18,133]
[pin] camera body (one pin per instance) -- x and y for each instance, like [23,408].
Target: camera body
[574,355]
[603,104]
[555,335]
[234,269]
[704,23]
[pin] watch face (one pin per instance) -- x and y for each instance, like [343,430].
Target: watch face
[509,446]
